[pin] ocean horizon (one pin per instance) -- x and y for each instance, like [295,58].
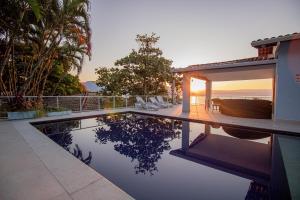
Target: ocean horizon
[266,94]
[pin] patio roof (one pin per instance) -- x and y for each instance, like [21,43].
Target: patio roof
[246,62]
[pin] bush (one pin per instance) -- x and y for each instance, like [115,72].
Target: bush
[55,109]
[259,109]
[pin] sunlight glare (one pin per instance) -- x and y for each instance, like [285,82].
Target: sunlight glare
[197,85]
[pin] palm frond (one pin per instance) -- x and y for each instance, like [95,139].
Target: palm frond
[36,8]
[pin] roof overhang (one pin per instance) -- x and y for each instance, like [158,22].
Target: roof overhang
[262,69]
[245,73]
[224,66]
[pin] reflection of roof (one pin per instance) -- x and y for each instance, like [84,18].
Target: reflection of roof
[274,40]
[244,157]
[228,64]
[91,86]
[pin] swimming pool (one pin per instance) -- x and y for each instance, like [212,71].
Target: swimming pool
[161,158]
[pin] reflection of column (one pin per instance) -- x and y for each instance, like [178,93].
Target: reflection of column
[207,129]
[57,128]
[186,93]
[273,95]
[185,135]
[208,95]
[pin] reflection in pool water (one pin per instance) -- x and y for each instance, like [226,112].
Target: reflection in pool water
[245,134]
[138,153]
[140,138]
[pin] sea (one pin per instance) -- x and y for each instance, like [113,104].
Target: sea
[235,94]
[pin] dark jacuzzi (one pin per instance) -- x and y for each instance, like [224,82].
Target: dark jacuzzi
[256,108]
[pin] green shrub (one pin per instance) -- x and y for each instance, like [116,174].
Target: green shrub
[55,109]
[40,113]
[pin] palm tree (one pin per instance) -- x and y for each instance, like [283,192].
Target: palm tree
[34,37]
[67,32]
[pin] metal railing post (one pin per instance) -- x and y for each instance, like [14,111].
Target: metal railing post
[114,102]
[57,103]
[80,107]
[99,104]
[126,102]
[168,100]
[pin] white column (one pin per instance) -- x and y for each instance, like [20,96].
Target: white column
[186,93]
[173,92]
[208,94]
[273,96]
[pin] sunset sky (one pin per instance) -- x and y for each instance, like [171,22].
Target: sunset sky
[191,31]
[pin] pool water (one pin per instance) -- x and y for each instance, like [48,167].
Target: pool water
[159,158]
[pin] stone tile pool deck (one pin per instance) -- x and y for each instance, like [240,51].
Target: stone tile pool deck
[34,167]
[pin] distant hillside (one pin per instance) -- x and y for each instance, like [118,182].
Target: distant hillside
[91,86]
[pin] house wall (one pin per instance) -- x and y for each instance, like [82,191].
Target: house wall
[287,81]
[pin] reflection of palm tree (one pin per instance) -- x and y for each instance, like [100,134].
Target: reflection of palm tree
[78,154]
[64,139]
[140,138]
[60,132]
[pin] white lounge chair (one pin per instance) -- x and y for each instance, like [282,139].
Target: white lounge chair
[155,102]
[140,103]
[161,101]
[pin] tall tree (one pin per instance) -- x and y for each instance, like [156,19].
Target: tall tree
[34,35]
[61,83]
[144,71]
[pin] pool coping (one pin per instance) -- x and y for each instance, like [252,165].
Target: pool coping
[276,131]
[259,129]
[39,142]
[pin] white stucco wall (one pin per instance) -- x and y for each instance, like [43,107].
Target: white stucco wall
[287,99]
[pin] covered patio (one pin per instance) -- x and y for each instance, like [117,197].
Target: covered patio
[277,59]
[245,69]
